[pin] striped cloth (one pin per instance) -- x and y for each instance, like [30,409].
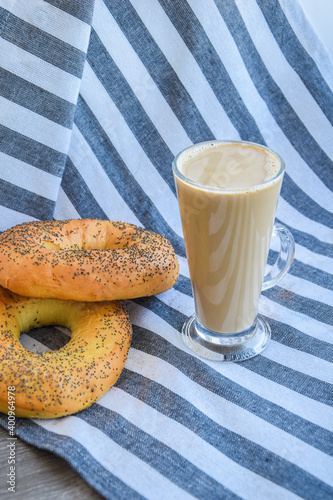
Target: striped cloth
[96,98]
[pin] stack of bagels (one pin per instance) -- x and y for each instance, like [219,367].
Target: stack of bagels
[74,273]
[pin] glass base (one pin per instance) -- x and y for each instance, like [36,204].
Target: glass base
[233,352]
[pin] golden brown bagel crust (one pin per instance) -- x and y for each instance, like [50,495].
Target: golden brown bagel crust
[58,383]
[86,260]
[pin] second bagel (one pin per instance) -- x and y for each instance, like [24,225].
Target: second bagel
[63,382]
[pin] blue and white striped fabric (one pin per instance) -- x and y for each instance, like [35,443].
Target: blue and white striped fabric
[96,98]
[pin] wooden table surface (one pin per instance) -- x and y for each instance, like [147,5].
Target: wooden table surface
[40,475]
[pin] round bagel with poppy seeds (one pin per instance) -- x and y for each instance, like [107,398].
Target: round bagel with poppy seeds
[63,382]
[86,260]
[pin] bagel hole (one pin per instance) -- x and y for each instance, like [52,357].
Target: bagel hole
[45,338]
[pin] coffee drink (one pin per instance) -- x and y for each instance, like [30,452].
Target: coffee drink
[228,194]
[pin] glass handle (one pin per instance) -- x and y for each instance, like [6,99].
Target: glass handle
[285,257]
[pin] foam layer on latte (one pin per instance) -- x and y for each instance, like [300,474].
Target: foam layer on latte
[229,165]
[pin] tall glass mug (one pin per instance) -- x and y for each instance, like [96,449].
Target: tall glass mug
[228,194]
